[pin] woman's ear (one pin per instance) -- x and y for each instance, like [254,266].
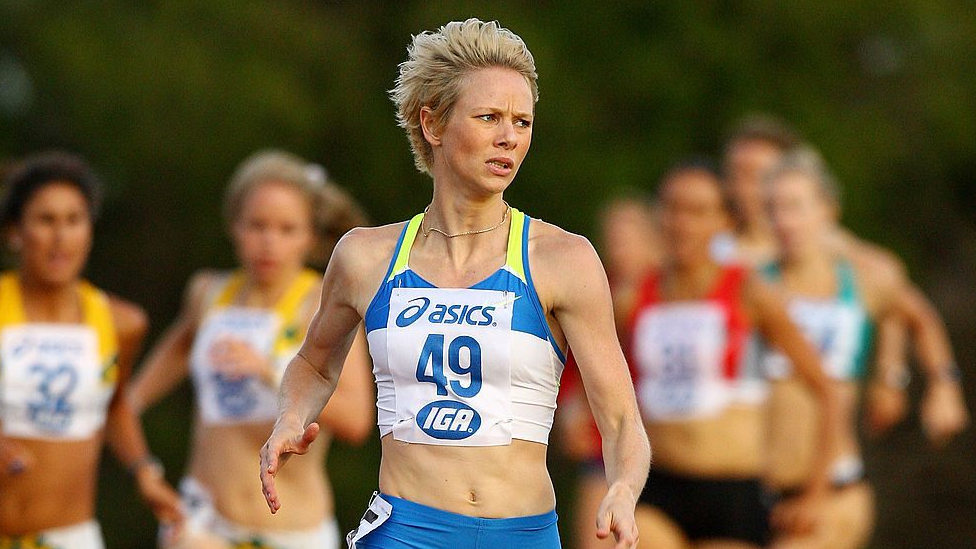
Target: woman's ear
[14,241]
[430,126]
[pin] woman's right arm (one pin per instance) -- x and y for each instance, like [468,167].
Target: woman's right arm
[312,376]
[886,397]
[351,412]
[167,364]
[774,322]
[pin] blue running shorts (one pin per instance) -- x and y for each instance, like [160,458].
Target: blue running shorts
[414,526]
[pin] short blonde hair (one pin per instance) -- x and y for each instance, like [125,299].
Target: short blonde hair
[436,65]
[807,161]
[334,211]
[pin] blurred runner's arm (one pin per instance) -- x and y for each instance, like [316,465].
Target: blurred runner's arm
[124,433]
[943,408]
[581,304]
[167,363]
[773,321]
[887,398]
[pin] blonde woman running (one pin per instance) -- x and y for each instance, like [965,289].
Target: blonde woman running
[836,302]
[469,309]
[233,339]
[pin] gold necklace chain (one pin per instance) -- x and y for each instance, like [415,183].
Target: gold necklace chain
[431,229]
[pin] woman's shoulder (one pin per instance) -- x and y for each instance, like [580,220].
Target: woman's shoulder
[363,247]
[203,284]
[872,261]
[558,244]
[560,258]
[359,262]
[375,235]
[130,319]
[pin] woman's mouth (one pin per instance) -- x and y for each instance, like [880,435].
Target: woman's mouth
[500,166]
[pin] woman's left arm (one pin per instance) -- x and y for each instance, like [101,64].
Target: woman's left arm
[124,432]
[943,410]
[578,295]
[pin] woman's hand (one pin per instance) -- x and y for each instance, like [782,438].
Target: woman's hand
[616,516]
[285,440]
[885,407]
[14,459]
[236,359]
[160,496]
[943,411]
[800,515]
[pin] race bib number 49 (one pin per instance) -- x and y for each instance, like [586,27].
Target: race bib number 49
[450,357]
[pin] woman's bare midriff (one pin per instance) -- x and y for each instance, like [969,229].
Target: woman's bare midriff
[224,460]
[794,431]
[478,481]
[728,446]
[57,490]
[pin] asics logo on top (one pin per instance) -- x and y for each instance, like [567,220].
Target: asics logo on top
[472,315]
[48,346]
[410,314]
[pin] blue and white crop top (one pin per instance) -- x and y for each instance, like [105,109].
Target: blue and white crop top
[471,366]
[839,328]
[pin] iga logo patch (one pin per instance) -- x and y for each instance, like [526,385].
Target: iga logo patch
[449,420]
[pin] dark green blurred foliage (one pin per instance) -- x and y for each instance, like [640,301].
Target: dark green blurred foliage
[166,97]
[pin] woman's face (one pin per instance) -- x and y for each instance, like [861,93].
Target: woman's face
[273,232]
[482,143]
[630,240]
[54,234]
[747,162]
[692,214]
[799,211]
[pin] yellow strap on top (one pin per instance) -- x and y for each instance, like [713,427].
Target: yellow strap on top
[514,254]
[289,303]
[31,541]
[514,260]
[98,315]
[287,308]
[403,253]
[11,304]
[233,285]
